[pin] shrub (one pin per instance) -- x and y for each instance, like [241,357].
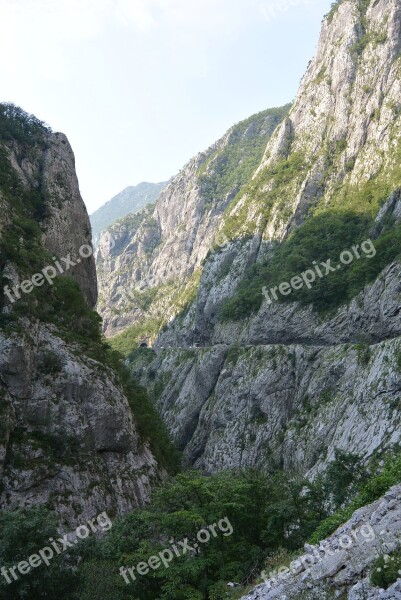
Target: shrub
[386,570]
[49,362]
[16,124]
[318,239]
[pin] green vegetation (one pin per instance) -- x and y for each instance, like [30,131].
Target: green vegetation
[225,171]
[57,447]
[364,354]
[230,169]
[372,37]
[386,570]
[66,307]
[320,238]
[5,410]
[49,362]
[264,521]
[270,514]
[160,302]
[21,243]
[321,76]
[272,187]
[22,534]
[143,299]
[342,219]
[262,511]
[25,129]
[129,339]
[77,324]
[368,37]
[128,202]
[61,304]
[334,7]
[338,225]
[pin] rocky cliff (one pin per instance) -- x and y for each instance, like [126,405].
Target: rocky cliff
[286,382]
[69,438]
[148,264]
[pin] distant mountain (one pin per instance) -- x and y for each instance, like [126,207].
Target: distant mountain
[132,199]
[166,245]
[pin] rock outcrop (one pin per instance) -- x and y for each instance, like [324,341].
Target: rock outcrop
[67,227]
[49,169]
[68,438]
[262,403]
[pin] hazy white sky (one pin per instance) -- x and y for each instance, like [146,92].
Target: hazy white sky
[140,86]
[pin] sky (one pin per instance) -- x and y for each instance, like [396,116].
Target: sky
[141,86]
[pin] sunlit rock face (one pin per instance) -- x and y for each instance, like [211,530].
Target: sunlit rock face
[286,385]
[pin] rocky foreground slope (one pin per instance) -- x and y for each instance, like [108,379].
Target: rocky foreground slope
[340,565]
[68,438]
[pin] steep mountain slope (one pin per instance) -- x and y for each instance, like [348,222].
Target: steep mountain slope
[153,264]
[68,436]
[131,199]
[286,382]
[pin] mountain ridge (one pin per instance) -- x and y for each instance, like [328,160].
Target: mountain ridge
[157,255]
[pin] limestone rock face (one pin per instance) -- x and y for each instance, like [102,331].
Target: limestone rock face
[291,389]
[287,385]
[68,437]
[68,227]
[50,169]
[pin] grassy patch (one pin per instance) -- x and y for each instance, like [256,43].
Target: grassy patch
[271,188]
[386,570]
[169,300]
[130,339]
